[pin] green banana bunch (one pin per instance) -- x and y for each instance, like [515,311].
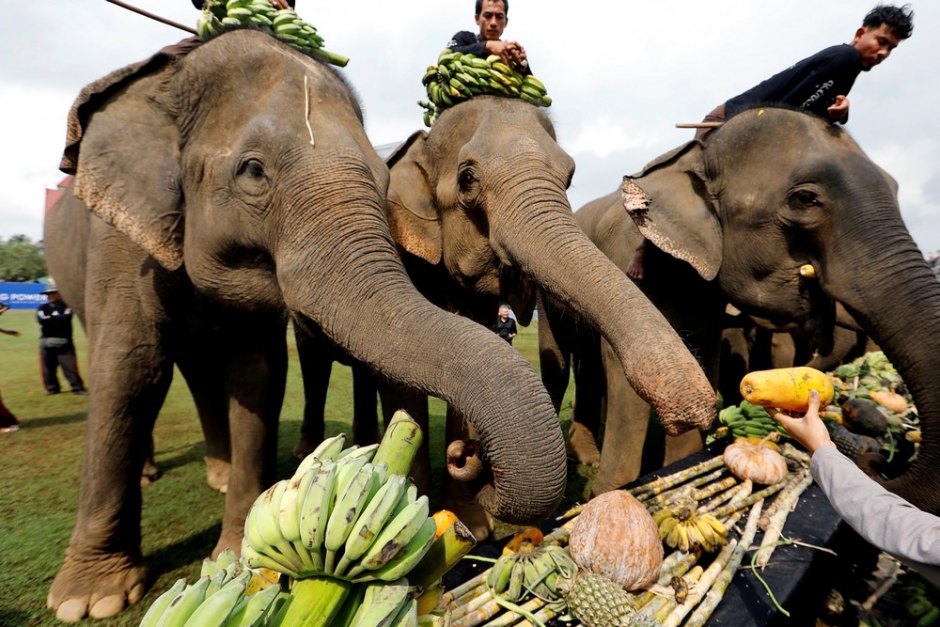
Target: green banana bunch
[533,572]
[749,420]
[347,513]
[285,24]
[457,77]
[386,604]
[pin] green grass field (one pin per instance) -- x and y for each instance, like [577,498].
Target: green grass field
[40,466]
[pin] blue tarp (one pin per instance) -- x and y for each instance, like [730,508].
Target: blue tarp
[22,295]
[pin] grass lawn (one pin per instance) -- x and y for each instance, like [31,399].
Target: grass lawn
[40,466]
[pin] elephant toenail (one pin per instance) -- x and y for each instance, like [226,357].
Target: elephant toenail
[72,611]
[108,606]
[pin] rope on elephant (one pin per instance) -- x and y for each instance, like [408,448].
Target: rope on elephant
[458,77]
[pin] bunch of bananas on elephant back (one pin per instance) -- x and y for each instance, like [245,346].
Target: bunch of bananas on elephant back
[221,15]
[348,538]
[458,77]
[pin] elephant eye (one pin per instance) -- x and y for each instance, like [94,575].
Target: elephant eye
[253,168]
[806,198]
[466,180]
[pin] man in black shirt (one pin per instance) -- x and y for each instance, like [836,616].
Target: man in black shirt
[491,16]
[818,84]
[8,422]
[506,326]
[55,343]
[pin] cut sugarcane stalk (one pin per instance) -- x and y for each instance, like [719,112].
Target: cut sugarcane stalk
[484,600]
[701,587]
[771,509]
[714,488]
[658,486]
[452,596]
[690,579]
[510,617]
[676,565]
[779,519]
[714,596]
[735,505]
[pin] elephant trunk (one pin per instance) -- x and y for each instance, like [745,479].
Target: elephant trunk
[557,255]
[887,286]
[401,335]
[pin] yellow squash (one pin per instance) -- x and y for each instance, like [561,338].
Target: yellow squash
[786,388]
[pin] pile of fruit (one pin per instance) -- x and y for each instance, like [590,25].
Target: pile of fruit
[345,542]
[458,77]
[218,16]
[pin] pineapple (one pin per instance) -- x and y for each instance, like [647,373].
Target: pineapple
[597,601]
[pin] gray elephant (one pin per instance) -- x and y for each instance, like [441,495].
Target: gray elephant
[479,209]
[217,194]
[734,221]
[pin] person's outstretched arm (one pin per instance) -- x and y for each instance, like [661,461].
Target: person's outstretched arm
[884,519]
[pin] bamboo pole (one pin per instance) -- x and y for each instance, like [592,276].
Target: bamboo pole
[152,16]
[699,124]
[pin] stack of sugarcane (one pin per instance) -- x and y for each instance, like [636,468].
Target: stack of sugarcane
[349,537]
[532,583]
[458,77]
[221,15]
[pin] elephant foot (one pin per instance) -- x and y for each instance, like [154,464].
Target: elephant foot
[231,539]
[99,586]
[303,448]
[150,473]
[582,447]
[217,474]
[460,500]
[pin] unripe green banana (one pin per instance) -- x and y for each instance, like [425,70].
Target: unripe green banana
[345,511]
[316,510]
[410,556]
[372,520]
[395,536]
[183,606]
[215,610]
[162,603]
[381,603]
[251,611]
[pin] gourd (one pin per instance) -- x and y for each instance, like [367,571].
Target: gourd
[890,400]
[786,388]
[755,461]
[616,537]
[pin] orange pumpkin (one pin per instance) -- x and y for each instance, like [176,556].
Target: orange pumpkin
[755,461]
[616,537]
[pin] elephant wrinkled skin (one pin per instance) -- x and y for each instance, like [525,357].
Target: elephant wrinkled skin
[216,196]
[733,221]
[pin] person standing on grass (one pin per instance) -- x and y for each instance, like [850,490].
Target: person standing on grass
[8,421]
[55,343]
[506,326]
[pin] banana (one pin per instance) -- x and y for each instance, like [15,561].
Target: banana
[696,539]
[254,541]
[256,559]
[446,57]
[346,510]
[410,556]
[528,89]
[407,615]
[365,452]
[216,580]
[430,75]
[514,592]
[395,536]
[252,609]
[284,16]
[371,520]
[683,545]
[316,511]
[381,603]
[460,87]
[536,83]
[291,501]
[268,527]
[502,68]
[160,605]
[666,526]
[215,610]
[400,444]
[498,577]
[466,79]
[715,524]
[233,4]
[185,603]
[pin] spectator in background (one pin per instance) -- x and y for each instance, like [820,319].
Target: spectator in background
[8,421]
[55,343]
[506,326]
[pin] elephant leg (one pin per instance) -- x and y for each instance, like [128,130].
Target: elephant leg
[554,351]
[396,397]
[365,425]
[589,406]
[316,366]
[458,496]
[734,361]
[625,430]
[255,378]
[129,376]
[197,358]
[151,471]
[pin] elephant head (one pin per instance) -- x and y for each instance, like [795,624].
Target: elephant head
[483,195]
[246,164]
[776,190]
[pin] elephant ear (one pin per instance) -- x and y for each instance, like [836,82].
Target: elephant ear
[412,214]
[669,203]
[125,153]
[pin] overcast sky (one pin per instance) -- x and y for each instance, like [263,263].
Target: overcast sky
[621,74]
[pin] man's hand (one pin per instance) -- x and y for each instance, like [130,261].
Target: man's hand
[509,51]
[12,332]
[840,109]
[810,431]
[279,4]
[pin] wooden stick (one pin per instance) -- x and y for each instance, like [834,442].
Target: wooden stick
[699,124]
[162,20]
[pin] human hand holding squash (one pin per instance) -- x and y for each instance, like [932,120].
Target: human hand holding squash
[810,431]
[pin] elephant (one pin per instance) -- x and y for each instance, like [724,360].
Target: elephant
[733,221]
[217,195]
[479,210]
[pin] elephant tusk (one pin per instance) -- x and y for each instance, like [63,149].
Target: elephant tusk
[808,271]
[463,461]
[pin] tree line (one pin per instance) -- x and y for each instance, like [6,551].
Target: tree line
[21,259]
